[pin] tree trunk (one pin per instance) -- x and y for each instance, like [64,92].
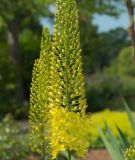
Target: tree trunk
[13,43]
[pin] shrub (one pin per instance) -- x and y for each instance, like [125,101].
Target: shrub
[13,144]
[102,90]
[115,148]
[112,118]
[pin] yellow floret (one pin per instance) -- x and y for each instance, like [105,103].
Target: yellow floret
[130,153]
[69,130]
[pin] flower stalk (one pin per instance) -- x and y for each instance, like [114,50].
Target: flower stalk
[58,101]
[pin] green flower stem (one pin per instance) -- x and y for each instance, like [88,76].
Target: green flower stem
[69,154]
[44,155]
[44,151]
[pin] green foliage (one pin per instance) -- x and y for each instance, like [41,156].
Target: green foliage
[126,66]
[103,92]
[130,115]
[8,86]
[130,152]
[115,149]
[13,145]
[123,69]
[122,66]
[104,88]
[29,41]
[97,58]
[111,144]
[25,16]
[16,9]
[115,120]
[7,79]
[100,7]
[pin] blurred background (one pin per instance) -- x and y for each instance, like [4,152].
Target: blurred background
[106,52]
[105,44]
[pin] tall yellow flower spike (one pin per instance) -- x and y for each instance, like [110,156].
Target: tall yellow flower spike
[69,126]
[70,91]
[39,97]
[58,100]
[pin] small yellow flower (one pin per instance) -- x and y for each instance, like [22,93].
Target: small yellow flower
[130,153]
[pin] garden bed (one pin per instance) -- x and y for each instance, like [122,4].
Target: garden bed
[97,154]
[93,154]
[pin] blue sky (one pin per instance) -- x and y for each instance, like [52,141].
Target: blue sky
[106,23]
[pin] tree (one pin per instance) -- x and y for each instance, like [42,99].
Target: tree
[14,19]
[125,65]
[20,23]
[96,46]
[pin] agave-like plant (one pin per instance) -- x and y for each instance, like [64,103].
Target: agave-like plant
[115,148]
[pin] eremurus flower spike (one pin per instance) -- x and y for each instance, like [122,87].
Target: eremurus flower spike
[58,100]
[39,97]
[66,47]
[69,126]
